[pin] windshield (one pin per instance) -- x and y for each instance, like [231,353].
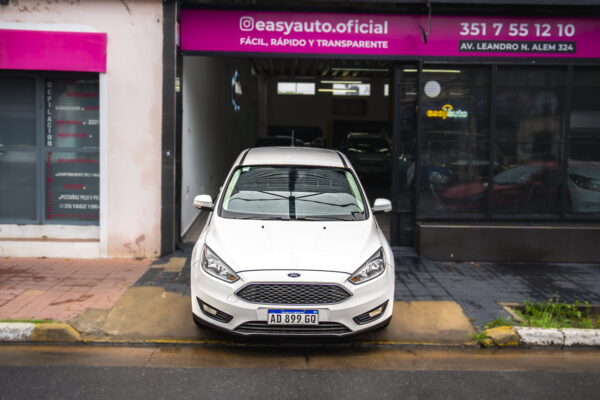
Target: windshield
[293,192]
[368,145]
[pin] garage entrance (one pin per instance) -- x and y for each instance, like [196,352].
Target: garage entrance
[232,103]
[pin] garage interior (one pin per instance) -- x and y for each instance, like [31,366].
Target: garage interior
[231,103]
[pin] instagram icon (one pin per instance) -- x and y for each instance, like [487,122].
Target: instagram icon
[246,23]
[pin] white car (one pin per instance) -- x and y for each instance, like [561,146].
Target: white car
[370,154]
[584,186]
[291,247]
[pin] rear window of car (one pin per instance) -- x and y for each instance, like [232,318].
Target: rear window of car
[368,145]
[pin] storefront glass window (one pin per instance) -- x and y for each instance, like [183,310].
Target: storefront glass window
[454,153]
[72,187]
[17,185]
[17,112]
[72,122]
[406,141]
[583,179]
[18,148]
[529,118]
[49,140]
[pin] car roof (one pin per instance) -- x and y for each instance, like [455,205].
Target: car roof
[293,156]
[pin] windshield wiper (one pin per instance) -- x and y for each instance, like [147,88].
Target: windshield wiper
[307,218]
[265,218]
[324,218]
[273,194]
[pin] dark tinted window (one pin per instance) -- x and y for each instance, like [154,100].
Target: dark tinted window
[530,109]
[584,143]
[368,144]
[455,139]
[17,111]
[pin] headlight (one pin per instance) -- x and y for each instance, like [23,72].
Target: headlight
[213,265]
[586,182]
[369,270]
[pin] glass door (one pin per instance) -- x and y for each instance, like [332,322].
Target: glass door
[404,147]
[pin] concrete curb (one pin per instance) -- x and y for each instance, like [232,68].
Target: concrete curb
[512,336]
[16,331]
[558,337]
[503,336]
[44,332]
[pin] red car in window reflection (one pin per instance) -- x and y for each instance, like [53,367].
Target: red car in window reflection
[532,187]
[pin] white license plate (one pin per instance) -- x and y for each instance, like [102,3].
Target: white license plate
[293,317]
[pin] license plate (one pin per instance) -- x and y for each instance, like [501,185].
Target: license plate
[293,317]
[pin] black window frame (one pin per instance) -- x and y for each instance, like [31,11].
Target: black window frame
[563,214]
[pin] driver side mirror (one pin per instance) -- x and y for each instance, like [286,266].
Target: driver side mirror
[204,202]
[382,206]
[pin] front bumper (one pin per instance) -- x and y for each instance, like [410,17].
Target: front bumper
[250,318]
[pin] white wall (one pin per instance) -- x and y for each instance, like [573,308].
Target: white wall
[213,133]
[131,201]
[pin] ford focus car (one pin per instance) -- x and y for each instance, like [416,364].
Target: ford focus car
[291,247]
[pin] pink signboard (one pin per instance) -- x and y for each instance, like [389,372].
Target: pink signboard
[387,35]
[52,51]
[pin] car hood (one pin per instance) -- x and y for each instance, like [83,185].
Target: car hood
[340,246]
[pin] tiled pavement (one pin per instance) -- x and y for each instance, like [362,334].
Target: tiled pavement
[60,289]
[479,286]
[171,272]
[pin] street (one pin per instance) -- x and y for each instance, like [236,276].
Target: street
[99,372]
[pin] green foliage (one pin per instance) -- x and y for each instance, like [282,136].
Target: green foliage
[556,314]
[31,321]
[499,321]
[478,337]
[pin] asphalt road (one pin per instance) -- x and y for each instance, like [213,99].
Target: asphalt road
[88,372]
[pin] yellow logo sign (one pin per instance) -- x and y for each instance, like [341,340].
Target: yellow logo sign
[447,111]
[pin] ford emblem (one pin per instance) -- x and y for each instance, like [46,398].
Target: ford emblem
[293,275]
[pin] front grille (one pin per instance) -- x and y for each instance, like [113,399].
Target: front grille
[292,293]
[261,327]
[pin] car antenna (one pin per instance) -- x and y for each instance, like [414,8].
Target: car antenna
[292,138]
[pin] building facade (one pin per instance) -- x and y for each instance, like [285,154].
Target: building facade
[80,128]
[489,108]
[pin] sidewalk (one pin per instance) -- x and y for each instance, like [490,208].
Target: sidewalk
[61,289]
[437,303]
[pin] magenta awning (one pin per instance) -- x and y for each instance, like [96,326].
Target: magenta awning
[52,51]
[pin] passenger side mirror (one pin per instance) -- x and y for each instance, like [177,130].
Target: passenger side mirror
[382,206]
[203,202]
